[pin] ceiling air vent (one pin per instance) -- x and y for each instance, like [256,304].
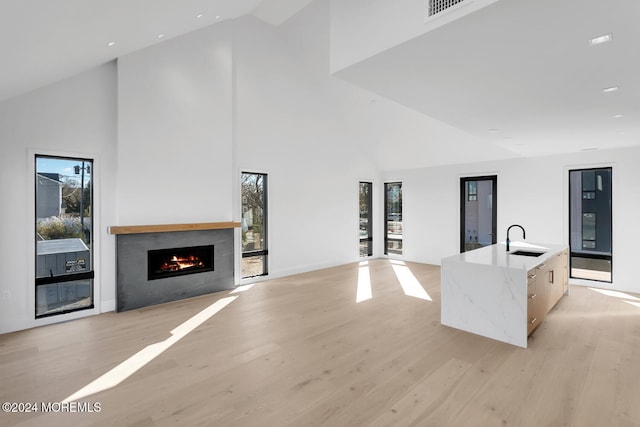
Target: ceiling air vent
[438,6]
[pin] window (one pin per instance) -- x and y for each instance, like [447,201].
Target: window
[393,218]
[472,191]
[254,224]
[588,230]
[589,185]
[64,235]
[590,225]
[478,212]
[366,238]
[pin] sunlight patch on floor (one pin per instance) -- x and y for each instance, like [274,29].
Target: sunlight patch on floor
[364,292]
[410,285]
[130,366]
[242,288]
[616,294]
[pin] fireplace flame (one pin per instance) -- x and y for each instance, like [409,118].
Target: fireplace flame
[181,263]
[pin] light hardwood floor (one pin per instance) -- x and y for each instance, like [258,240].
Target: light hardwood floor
[299,351]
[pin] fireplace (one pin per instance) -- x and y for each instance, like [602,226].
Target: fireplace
[163,263]
[172,253]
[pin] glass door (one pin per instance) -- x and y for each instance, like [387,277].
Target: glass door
[478,212]
[64,235]
[590,225]
[254,224]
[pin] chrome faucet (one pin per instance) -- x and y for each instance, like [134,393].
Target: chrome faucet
[523,234]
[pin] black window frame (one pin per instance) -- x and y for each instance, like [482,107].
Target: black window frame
[494,206]
[368,241]
[386,219]
[587,255]
[70,277]
[264,252]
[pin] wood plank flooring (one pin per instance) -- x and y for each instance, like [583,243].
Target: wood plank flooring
[299,351]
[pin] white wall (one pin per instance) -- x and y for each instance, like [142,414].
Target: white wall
[197,110]
[74,117]
[286,127]
[532,192]
[174,131]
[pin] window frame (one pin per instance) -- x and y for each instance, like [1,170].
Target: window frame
[71,277]
[597,187]
[369,203]
[386,220]
[264,252]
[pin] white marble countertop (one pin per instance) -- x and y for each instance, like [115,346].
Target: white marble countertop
[497,255]
[484,291]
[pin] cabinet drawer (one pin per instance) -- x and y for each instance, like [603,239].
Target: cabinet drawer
[531,277]
[532,322]
[535,306]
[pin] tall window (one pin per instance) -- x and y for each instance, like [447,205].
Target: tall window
[478,212]
[254,224]
[64,235]
[366,237]
[393,218]
[590,225]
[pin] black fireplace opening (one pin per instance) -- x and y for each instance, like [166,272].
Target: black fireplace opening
[173,262]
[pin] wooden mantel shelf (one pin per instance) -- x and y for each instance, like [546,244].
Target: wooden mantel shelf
[165,228]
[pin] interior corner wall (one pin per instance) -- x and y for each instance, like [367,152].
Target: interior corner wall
[285,127]
[175,130]
[532,192]
[76,116]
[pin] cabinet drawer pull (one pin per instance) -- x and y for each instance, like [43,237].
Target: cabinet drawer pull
[533,320]
[533,276]
[532,296]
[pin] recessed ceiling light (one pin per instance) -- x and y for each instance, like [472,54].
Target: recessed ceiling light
[610,89]
[601,39]
[589,149]
[617,116]
[160,36]
[493,130]
[200,15]
[218,16]
[111,44]
[620,133]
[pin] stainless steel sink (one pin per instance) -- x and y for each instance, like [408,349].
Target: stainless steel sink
[526,253]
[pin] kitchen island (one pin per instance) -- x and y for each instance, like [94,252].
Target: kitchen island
[503,295]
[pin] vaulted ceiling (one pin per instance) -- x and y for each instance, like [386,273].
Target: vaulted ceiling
[43,41]
[518,74]
[523,75]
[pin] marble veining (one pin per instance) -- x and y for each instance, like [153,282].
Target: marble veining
[484,291]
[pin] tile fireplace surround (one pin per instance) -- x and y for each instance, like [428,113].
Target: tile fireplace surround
[135,290]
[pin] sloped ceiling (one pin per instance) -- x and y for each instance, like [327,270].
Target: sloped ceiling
[276,12]
[522,74]
[518,74]
[43,41]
